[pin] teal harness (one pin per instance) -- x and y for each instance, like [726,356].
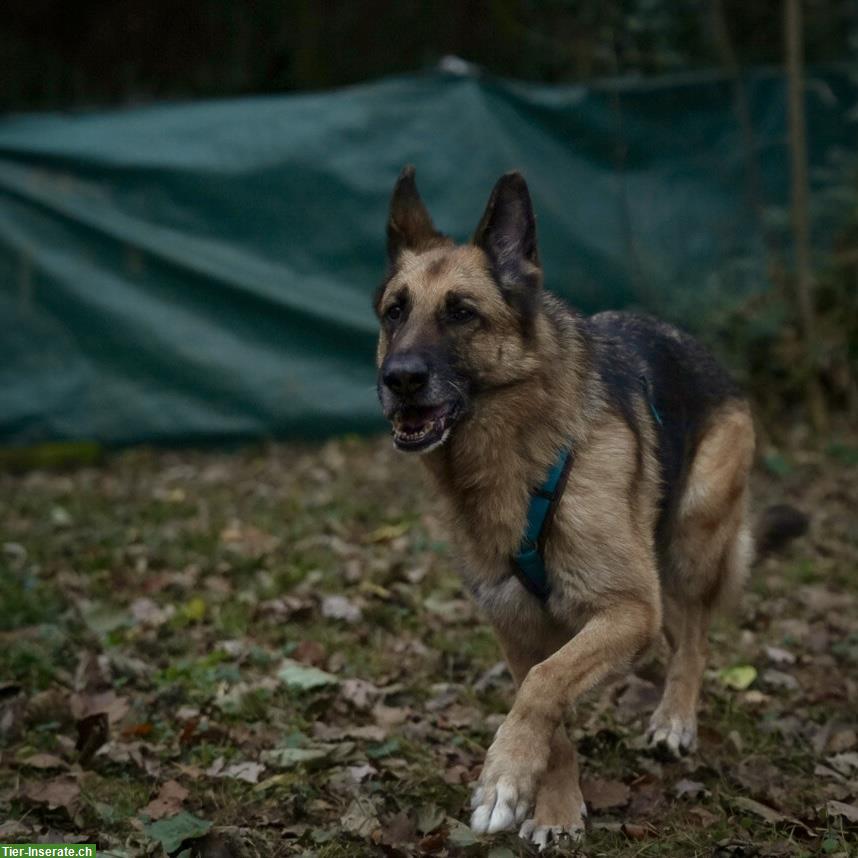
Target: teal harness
[528,562]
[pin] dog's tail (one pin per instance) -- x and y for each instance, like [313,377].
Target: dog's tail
[777,526]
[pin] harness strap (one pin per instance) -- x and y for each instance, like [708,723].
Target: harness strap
[528,562]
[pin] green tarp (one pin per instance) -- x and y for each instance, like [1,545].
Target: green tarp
[203,271]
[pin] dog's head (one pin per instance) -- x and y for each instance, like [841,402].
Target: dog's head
[457,321]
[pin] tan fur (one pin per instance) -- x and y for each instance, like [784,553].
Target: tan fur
[610,600]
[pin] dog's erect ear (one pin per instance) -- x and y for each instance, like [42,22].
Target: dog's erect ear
[409,226]
[507,231]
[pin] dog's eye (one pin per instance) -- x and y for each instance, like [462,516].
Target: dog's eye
[393,313]
[462,314]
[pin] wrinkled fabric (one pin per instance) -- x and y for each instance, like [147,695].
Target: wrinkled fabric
[204,271]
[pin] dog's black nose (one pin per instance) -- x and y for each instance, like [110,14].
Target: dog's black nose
[405,374]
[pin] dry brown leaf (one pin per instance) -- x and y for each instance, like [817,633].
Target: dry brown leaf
[106,702]
[762,810]
[310,652]
[765,812]
[704,817]
[398,829]
[362,772]
[60,792]
[390,716]
[637,832]
[360,693]
[842,740]
[341,608]
[604,794]
[44,761]
[360,818]
[839,808]
[248,772]
[168,802]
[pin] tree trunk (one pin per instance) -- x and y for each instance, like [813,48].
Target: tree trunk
[800,215]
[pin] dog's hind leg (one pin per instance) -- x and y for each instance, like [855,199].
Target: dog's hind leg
[673,726]
[708,559]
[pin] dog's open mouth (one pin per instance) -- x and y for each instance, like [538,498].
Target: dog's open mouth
[419,429]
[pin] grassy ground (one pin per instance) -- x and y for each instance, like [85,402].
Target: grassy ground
[267,653]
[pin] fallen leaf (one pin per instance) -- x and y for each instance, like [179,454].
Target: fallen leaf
[248,540]
[173,832]
[451,611]
[841,740]
[247,772]
[360,693]
[303,677]
[755,697]
[149,613]
[361,773]
[387,532]
[762,810]
[104,703]
[456,775]
[44,761]
[738,677]
[61,792]
[493,676]
[390,716]
[386,749]
[604,794]
[845,763]
[779,679]
[637,697]
[360,818]
[433,843]
[460,835]
[340,608]
[194,611]
[777,655]
[429,817]
[288,758]
[13,828]
[168,802]
[704,817]
[310,652]
[647,799]
[138,731]
[637,832]
[398,830]
[838,808]
[769,814]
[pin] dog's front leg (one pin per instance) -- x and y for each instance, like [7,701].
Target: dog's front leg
[520,754]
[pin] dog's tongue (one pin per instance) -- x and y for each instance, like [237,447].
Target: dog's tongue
[414,419]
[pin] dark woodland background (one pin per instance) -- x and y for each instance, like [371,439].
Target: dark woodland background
[57,55]
[796,347]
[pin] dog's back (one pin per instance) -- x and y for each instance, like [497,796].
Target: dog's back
[683,385]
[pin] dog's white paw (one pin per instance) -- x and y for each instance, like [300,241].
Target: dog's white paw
[672,734]
[507,787]
[497,807]
[542,836]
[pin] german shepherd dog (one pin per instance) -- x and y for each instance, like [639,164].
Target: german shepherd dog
[489,377]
